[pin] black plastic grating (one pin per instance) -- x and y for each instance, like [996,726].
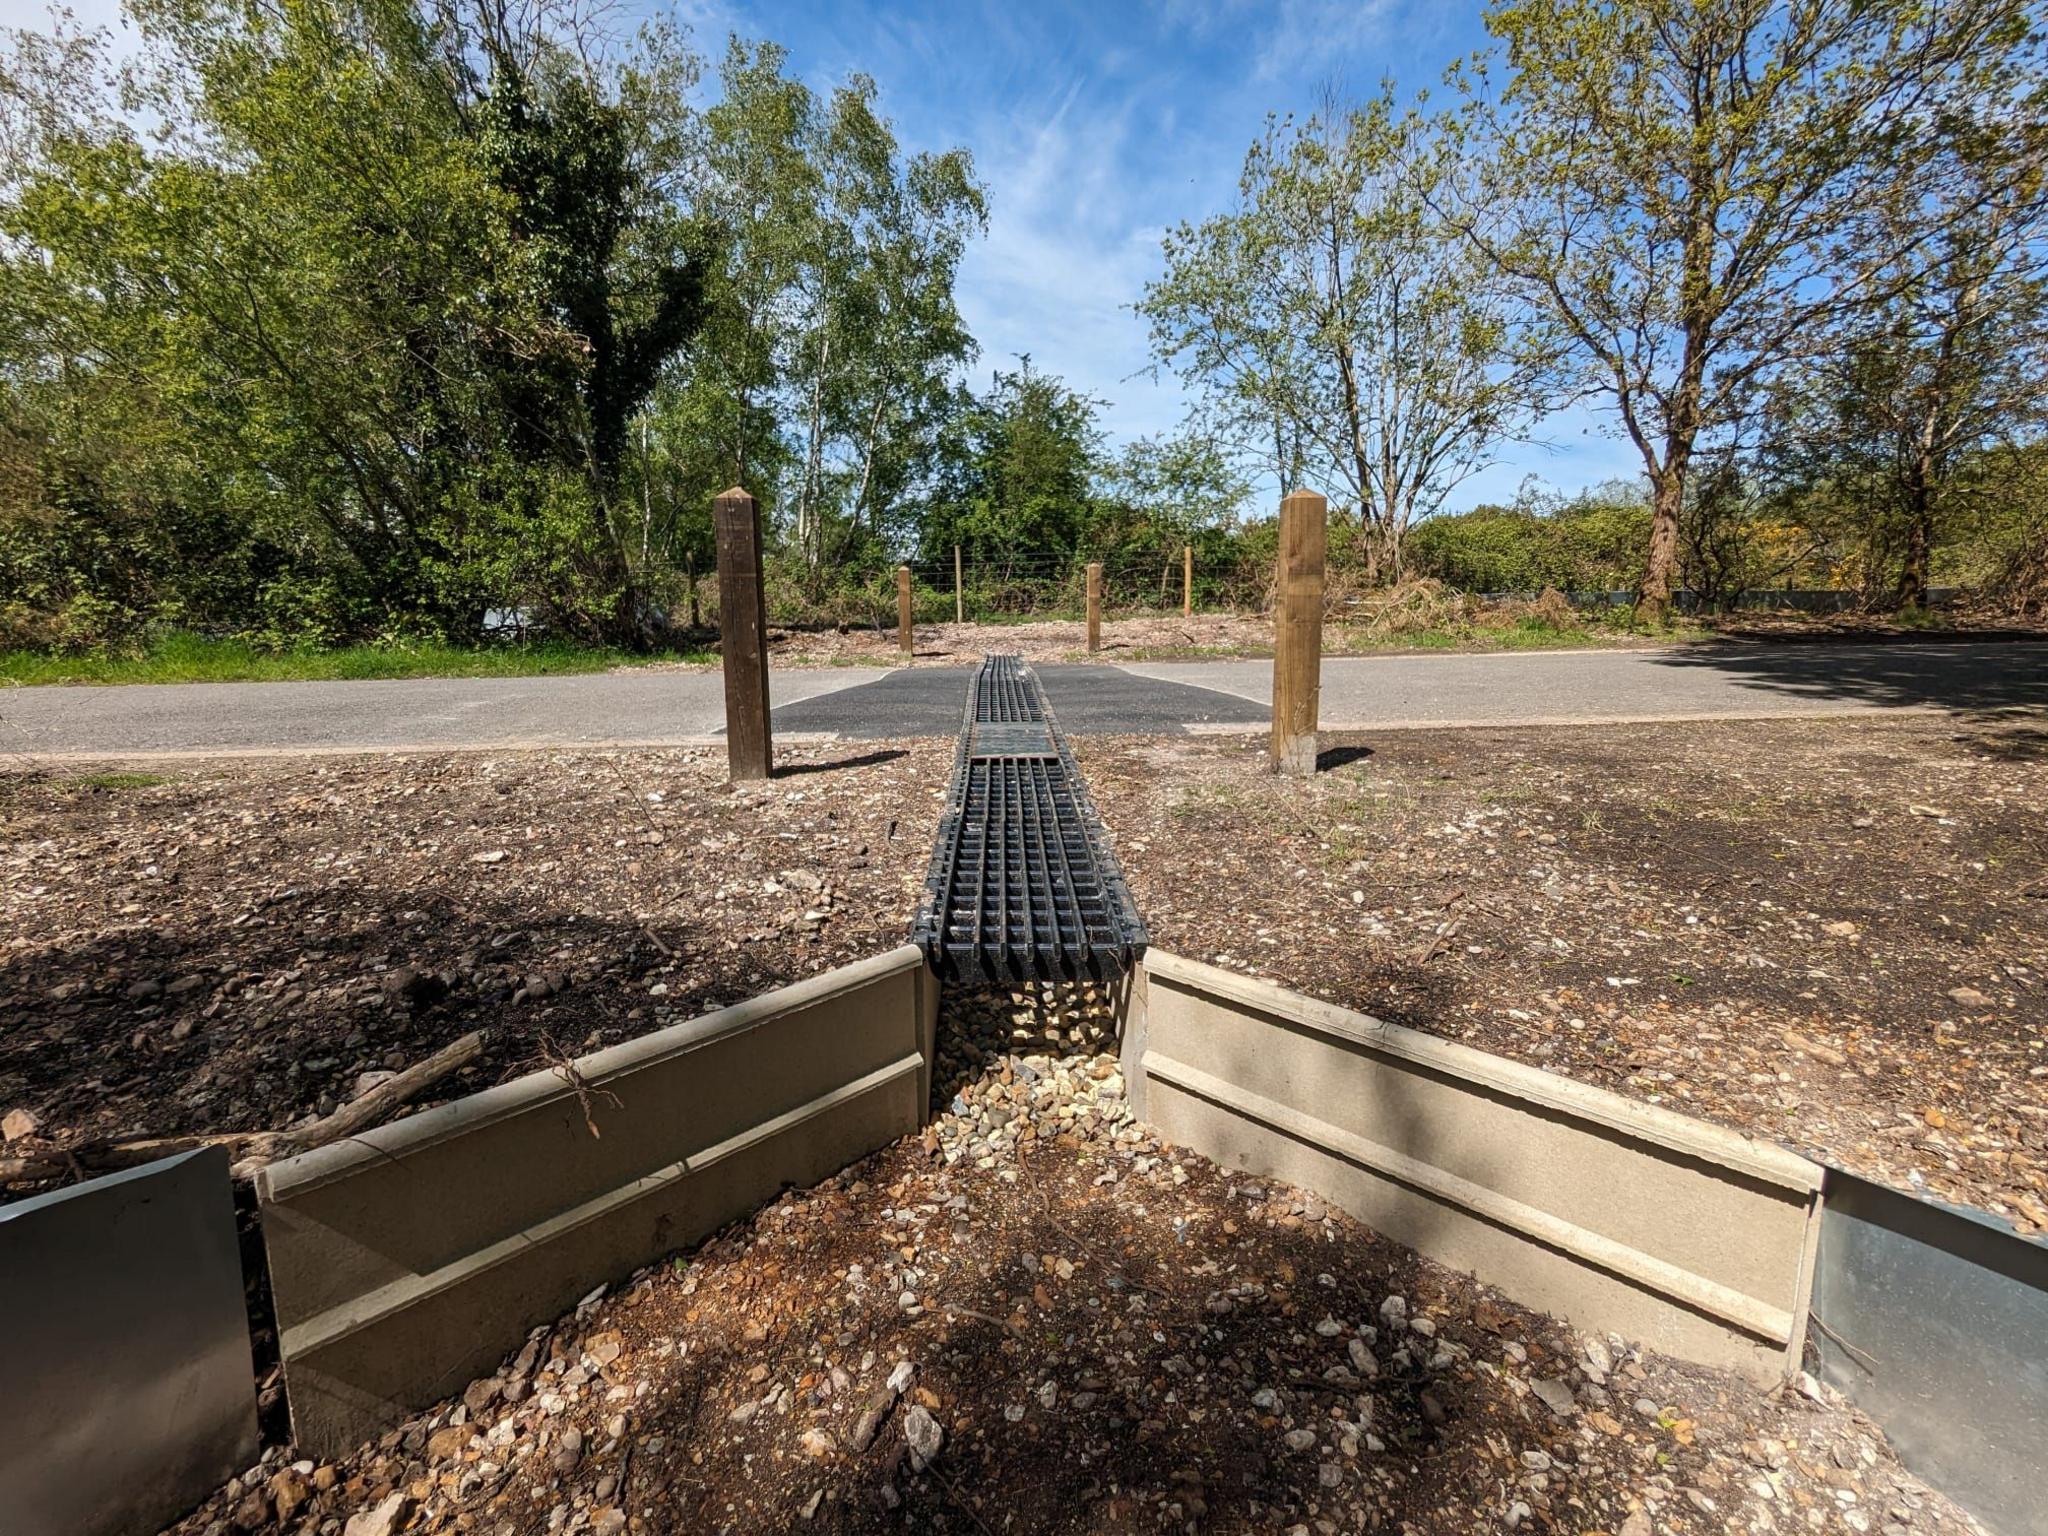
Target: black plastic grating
[1005,692]
[1021,887]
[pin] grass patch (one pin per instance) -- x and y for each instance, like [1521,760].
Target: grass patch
[114,781]
[182,658]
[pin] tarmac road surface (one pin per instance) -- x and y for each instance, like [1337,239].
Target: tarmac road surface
[651,707]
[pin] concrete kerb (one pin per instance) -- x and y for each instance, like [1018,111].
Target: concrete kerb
[1612,1214]
[127,1380]
[408,1260]
[412,1259]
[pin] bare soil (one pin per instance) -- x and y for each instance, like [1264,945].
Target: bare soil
[1035,1318]
[233,947]
[1831,934]
[1169,637]
[1418,618]
[1126,639]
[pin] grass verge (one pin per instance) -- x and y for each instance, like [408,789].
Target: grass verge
[196,659]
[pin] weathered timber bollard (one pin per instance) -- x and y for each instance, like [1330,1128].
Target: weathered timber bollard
[743,634]
[1298,632]
[1094,606]
[903,634]
[1187,581]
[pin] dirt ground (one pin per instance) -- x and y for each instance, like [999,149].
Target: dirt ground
[1374,626]
[1035,1318]
[1042,640]
[234,946]
[1832,934]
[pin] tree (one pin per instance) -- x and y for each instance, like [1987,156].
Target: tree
[405,309]
[835,301]
[389,287]
[1184,483]
[1910,401]
[1691,190]
[1341,332]
[1017,473]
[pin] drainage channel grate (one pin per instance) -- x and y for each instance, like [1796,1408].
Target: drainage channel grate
[1021,887]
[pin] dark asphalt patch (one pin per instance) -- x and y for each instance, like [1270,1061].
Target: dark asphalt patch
[1088,701]
[1108,701]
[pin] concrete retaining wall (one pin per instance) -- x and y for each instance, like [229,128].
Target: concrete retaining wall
[408,1261]
[126,1393]
[1610,1213]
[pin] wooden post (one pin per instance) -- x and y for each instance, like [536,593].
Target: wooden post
[1187,581]
[1298,632]
[1094,605]
[903,637]
[959,603]
[743,635]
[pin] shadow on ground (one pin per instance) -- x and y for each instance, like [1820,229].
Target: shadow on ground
[1966,678]
[840,764]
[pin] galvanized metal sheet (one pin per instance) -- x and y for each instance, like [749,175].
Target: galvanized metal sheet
[125,1377]
[1934,1321]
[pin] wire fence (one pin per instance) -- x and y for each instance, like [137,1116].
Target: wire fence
[1013,588]
[1007,589]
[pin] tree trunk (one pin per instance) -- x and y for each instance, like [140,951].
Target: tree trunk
[1660,564]
[1911,594]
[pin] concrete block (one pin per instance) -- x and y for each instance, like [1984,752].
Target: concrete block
[1613,1214]
[126,1387]
[409,1261]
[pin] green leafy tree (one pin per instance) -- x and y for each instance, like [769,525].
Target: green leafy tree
[1900,421]
[1691,191]
[1342,331]
[834,308]
[1585,542]
[1017,474]
[391,342]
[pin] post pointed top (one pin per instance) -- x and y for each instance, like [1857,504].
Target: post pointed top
[734,493]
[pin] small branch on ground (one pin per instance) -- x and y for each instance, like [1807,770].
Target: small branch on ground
[563,1065]
[252,1150]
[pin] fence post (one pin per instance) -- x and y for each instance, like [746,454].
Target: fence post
[903,640]
[1187,581]
[743,634]
[1094,605]
[959,603]
[1298,632]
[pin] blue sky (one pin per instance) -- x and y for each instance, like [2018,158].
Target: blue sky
[1098,126]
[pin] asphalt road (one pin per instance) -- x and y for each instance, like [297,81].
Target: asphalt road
[586,710]
[1709,682]
[1085,700]
[1693,682]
